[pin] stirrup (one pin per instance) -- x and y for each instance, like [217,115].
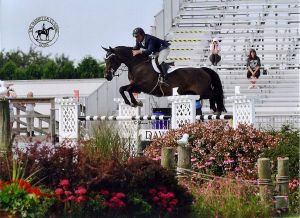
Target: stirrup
[161,80]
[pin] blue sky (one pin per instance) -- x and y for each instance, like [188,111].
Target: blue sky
[84,25]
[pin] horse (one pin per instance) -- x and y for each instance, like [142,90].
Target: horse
[190,80]
[45,32]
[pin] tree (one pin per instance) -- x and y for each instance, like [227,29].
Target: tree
[8,70]
[33,71]
[89,68]
[50,70]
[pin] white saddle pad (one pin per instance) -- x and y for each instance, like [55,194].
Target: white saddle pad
[170,70]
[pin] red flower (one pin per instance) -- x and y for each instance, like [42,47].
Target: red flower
[68,193]
[24,184]
[170,195]
[59,191]
[120,195]
[80,199]
[64,182]
[80,190]
[71,198]
[36,191]
[173,202]
[104,192]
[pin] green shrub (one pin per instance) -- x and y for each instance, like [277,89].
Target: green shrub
[287,147]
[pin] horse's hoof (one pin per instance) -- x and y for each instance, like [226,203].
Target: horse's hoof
[133,105]
[217,113]
[140,104]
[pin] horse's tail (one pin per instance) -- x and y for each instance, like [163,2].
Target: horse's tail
[217,88]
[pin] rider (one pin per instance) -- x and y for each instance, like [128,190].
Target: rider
[147,44]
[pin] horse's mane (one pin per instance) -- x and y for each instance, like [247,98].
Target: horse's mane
[127,51]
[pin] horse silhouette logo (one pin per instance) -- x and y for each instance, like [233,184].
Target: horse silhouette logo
[43,31]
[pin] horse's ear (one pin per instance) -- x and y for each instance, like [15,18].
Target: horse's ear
[111,49]
[105,49]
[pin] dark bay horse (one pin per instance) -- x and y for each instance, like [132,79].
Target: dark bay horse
[190,81]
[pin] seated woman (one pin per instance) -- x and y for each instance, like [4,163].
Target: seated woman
[253,66]
[215,49]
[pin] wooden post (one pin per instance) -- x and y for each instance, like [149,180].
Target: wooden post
[52,121]
[283,175]
[184,157]
[168,158]
[4,125]
[282,180]
[264,178]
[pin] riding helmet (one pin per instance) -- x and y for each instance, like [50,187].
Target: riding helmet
[138,31]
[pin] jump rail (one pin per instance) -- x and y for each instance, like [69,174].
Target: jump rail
[151,117]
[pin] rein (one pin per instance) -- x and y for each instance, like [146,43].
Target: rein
[158,83]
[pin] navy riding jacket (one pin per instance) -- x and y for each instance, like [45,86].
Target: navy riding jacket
[151,44]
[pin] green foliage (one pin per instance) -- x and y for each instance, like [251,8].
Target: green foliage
[89,68]
[107,143]
[223,198]
[21,200]
[17,65]
[139,205]
[287,147]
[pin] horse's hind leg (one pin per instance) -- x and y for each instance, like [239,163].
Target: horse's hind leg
[212,104]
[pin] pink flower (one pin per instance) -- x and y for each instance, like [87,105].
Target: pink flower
[156,158]
[237,169]
[194,159]
[59,191]
[64,182]
[208,163]
[212,158]
[80,190]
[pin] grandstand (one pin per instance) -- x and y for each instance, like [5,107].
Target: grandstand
[269,26]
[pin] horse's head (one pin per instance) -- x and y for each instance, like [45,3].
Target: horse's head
[112,63]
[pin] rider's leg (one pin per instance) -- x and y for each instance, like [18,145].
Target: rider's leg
[162,56]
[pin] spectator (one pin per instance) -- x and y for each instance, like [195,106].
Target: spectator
[30,116]
[253,66]
[215,48]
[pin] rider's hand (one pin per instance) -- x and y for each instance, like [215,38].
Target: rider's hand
[136,52]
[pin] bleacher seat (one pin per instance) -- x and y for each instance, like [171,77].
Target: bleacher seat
[269,26]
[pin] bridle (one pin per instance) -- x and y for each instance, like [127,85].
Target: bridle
[112,71]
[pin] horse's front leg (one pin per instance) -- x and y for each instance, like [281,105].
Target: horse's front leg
[134,102]
[122,92]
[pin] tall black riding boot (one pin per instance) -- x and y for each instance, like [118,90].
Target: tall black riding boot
[164,70]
